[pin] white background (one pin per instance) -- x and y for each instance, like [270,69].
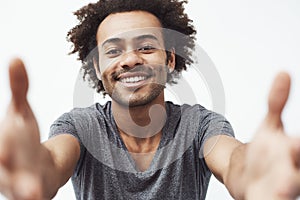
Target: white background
[249,41]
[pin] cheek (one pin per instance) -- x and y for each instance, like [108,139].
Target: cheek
[103,66]
[105,62]
[106,82]
[105,76]
[159,58]
[161,73]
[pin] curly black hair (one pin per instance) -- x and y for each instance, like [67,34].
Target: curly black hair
[170,14]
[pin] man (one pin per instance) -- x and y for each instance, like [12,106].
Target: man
[128,148]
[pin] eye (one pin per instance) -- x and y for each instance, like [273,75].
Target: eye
[146,49]
[113,52]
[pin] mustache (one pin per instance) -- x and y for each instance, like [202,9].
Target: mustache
[138,68]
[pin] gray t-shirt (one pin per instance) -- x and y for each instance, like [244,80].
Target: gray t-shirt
[106,170]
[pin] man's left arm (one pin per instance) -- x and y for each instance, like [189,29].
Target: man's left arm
[266,168]
[224,155]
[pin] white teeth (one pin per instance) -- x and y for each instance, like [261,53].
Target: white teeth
[132,79]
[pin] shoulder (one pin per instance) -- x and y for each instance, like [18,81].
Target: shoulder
[82,117]
[195,110]
[93,110]
[197,117]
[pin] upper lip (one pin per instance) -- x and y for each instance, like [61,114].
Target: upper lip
[132,74]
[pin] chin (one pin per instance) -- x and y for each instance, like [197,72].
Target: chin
[138,98]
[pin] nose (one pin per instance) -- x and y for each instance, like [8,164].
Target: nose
[131,59]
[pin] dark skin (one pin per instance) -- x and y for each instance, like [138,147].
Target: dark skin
[172,17]
[26,165]
[20,121]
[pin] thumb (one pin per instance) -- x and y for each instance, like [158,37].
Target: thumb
[278,97]
[18,84]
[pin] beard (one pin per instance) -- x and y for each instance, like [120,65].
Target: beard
[135,99]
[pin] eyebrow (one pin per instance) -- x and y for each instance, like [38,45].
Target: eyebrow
[141,37]
[111,40]
[148,36]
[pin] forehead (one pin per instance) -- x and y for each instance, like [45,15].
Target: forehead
[129,25]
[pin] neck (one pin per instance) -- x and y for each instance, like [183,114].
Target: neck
[140,126]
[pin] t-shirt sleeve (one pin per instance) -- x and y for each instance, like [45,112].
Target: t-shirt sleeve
[65,124]
[213,124]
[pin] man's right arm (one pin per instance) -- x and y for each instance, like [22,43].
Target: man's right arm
[63,152]
[29,169]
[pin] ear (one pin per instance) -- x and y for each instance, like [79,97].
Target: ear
[97,68]
[171,60]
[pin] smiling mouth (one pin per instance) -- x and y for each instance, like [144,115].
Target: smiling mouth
[133,79]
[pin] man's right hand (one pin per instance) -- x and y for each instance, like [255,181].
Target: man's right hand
[20,147]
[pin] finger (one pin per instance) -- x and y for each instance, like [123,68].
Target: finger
[27,186]
[277,99]
[5,144]
[295,152]
[18,83]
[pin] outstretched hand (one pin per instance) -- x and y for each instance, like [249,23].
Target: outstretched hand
[19,142]
[272,159]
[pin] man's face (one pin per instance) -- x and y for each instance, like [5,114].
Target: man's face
[132,57]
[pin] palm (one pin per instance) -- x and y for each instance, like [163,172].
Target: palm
[272,156]
[19,139]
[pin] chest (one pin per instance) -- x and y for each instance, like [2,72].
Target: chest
[184,178]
